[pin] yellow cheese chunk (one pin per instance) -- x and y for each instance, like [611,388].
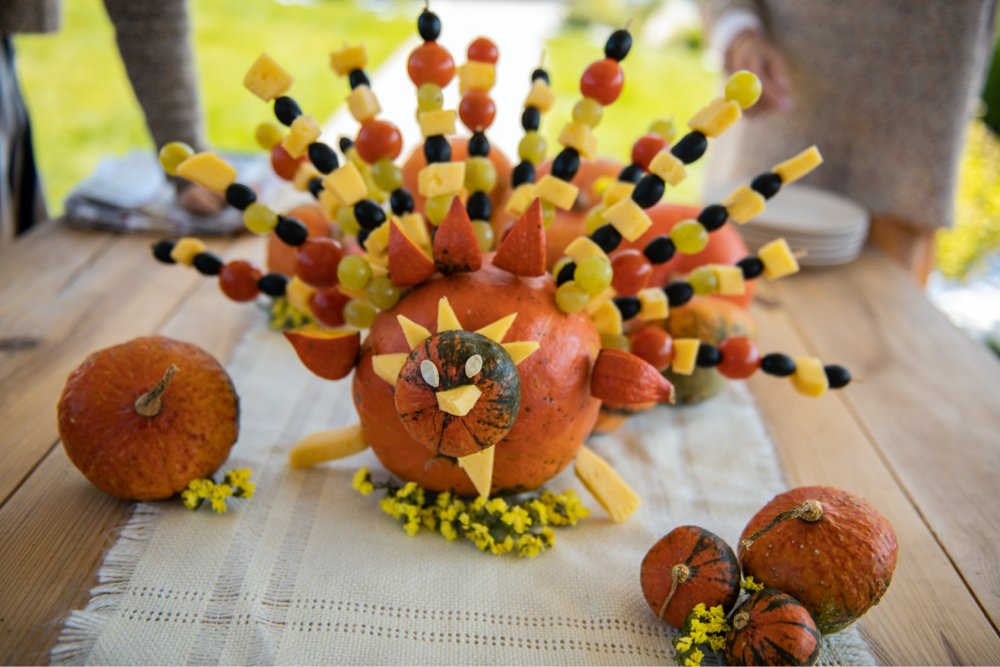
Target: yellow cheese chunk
[447,320]
[380,265]
[441,178]
[521,349]
[778,259]
[685,355]
[653,304]
[388,366]
[377,242]
[541,96]
[729,280]
[717,117]
[557,191]
[795,168]
[607,319]
[346,185]
[497,330]
[185,250]
[412,224]
[298,294]
[303,175]
[358,294]
[581,137]
[460,400]
[209,171]
[327,446]
[605,485]
[363,103]
[303,132]
[599,300]
[520,199]
[414,333]
[666,165]
[437,122]
[348,59]
[328,205]
[479,468]
[616,191]
[809,377]
[628,218]
[743,204]
[267,79]
[582,247]
[475,75]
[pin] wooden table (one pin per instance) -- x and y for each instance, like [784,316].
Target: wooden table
[920,438]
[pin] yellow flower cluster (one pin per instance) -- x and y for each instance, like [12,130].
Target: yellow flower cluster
[750,586]
[702,626]
[492,525]
[236,484]
[286,316]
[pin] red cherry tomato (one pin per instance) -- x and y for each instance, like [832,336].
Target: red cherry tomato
[603,81]
[740,358]
[238,280]
[430,63]
[378,139]
[654,346]
[646,148]
[477,110]
[632,271]
[482,50]
[316,262]
[327,307]
[285,165]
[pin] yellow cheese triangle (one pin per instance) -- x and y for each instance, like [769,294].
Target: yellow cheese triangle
[460,400]
[498,329]
[605,485]
[447,320]
[479,468]
[415,334]
[388,366]
[521,350]
[327,446]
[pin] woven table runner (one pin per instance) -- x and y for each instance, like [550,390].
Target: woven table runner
[310,572]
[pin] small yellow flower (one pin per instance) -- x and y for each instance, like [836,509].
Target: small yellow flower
[448,530]
[496,506]
[517,518]
[191,499]
[717,642]
[246,491]
[201,487]
[697,656]
[219,495]
[239,478]
[540,510]
[750,585]
[407,490]
[362,481]
[549,536]
[683,644]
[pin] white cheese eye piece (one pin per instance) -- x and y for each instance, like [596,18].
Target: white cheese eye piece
[430,373]
[473,365]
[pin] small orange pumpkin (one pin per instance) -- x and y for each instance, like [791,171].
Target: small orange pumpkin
[772,628]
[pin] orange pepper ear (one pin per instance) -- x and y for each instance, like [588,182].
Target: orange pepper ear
[523,251]
[329,354]
[622,377]
[408,265]
[456,248]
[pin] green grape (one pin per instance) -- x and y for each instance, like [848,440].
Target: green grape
[480,175]
[593,275]
[354,272]
[588,111]
[346,220]
[484,233]
[388,177]
[596,219]
[429,98]
[172,154]
[437,207]
[381,293]
[664,128]
[704,281]
[743,87]
[570,298]
[268,136]
[689,236]
[616,341]
[532,147]
[259,219]
[548,213]
[359,314]
[559,266]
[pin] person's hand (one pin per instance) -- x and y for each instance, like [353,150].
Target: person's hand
[751,51]
[198,200]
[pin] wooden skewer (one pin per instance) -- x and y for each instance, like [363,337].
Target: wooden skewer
[628,25]
[799,254]
[541,60]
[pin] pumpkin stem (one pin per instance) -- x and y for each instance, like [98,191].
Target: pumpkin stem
[149,404]
[678,575]
[741,619]
[810,511]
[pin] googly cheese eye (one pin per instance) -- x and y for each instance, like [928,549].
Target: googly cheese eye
[473,365]
[430,373]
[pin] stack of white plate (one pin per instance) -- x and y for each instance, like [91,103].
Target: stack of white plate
[831,228]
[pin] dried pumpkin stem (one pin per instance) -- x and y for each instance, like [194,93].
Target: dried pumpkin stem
[149,404]
[741,619]
[678,575]
[810,511]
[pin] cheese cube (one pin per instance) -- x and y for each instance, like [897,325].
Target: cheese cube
[521,198]
[298,294]
[185,250]
[476,76]
[303,175]
[413,332]
[328,205]
[479,468]
[541,96]
[795,168]
[778,259]
[628,218]
[377,242]
[685,355]
[605,485]
[743,204]
[666,165]
[348,59]
[412,224]
[716,118]
[559,192]
[303,132]
[327,446]
[358,294]
[363,103]
[809,377]
[441,178]
[437,122]
[653,304]
[266,79]
[582,247]
[346,185]
[459,400]
[388,366]
[208,170]
[729,279]
[607,318]
[599,300]
[581,137]
[616,191]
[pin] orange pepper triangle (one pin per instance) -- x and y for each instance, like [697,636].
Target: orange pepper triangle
[456,248]
[622,377]
[408,265]
[523,250]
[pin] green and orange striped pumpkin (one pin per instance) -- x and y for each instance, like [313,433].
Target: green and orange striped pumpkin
[772,628]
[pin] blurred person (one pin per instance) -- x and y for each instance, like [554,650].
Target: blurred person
[884,88]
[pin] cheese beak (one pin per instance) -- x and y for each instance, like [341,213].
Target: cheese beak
[459,401]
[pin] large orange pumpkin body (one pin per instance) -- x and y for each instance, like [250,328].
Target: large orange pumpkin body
[556,411]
